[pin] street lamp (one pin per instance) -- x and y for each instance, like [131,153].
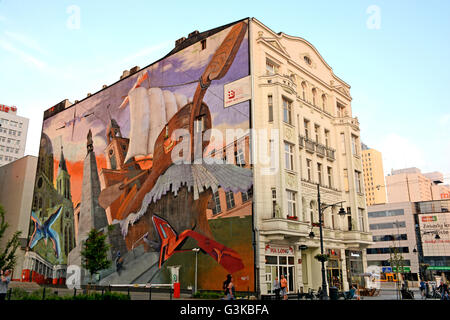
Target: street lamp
[311,234]
[195,250]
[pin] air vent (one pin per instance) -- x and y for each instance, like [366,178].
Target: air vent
[179,41]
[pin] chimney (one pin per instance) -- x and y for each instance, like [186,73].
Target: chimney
[134,69]
[104,86]
[193,33]
[89,94]
[179,41]
[125,74]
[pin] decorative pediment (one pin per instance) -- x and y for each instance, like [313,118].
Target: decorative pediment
[275,43]
[343,90]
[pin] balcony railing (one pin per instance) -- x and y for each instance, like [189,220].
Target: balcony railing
[301,141]
[330,154]
[320,149]
[309,145]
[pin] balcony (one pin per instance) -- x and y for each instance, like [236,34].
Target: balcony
[282,228]
[320,150]
[330,154]
[309,145]
[301,141]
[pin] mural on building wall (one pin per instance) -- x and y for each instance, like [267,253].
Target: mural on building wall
[115,172]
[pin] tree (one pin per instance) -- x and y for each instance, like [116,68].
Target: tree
[95,252]
[8,254]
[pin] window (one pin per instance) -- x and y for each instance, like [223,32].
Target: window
[330,176]
[287,111]
[230,199]
[316,132]
[247,195]
[306,125]
[355,150]
[289,156]
[319,173]
[340,110]
[314,95]
[217,208]
[358,181]
[361,219]
[203,42]
[239,157]
[307,60]
[390,237]
[387,225]
[304,90]
[291,203]
[274,201]
[309,169]
[324,102]
[271,68]
[327,138]
[386,250]
[387,213]
[270,106]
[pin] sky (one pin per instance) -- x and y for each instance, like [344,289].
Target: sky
[395,55]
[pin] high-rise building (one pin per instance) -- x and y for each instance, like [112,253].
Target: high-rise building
[374,185]
[16,194]
[13,134]
[410,184]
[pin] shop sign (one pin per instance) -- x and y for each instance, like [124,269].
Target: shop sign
[237,91]
[431,225]
[279,250]
[386,269]
[354,254]
[6,108]
[439,268]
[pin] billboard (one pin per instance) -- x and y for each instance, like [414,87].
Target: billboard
[146,162]
[430,225]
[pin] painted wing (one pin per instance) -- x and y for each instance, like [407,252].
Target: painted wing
[54,237]
[226,257]
[37,233]
[51,220]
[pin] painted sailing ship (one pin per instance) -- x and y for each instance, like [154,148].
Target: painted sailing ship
[165,201]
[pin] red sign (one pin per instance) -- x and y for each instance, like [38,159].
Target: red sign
[6,108]
[445,195]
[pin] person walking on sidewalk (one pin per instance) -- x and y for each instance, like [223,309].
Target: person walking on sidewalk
[276,288]
[283,285]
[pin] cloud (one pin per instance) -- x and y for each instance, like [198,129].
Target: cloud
[26,41]
[399,152]
[146,52]
[444,120]
[24,56]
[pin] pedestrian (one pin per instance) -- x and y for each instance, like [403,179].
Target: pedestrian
[283,285]
[443,289]
[228,286]
[422,288]
[119,262]
[276,288]
[350,293]
[5,279]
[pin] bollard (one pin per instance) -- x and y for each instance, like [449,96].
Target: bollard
[171,289]
[43,294]
[9,293]
[103,291]
[74,292]
[150,293]
[176,290]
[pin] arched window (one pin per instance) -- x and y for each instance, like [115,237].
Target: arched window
[304,90]
[324,101]
[314,94]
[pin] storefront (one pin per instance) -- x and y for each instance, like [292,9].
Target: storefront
[279,261]
[355,267]
[334,269]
